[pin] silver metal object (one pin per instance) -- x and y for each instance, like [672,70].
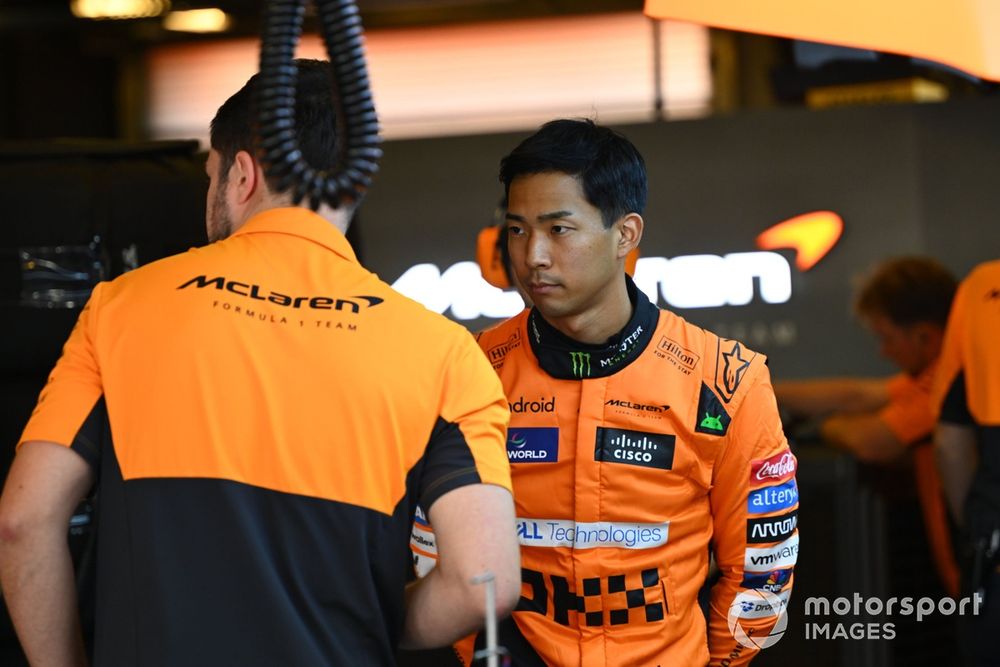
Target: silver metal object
[491,653]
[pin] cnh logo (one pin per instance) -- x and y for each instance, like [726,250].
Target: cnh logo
[684,281]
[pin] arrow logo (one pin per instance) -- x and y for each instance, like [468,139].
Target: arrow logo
[811,235]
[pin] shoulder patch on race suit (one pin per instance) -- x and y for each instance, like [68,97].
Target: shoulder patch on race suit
[533,444]
[679,357]
[497,354]
[777,468]
[774,557]
[763,608]
[772,528]
[773,498]
[422,544]
[772,581]
[731,363]
[712,417]
[637,448]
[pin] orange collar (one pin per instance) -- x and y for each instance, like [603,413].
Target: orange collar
[301,222]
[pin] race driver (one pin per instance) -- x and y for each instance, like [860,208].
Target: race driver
[639,444]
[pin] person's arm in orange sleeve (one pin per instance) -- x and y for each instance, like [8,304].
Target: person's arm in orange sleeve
[818,398]
[866,436]
[883,436]
[754,484]
[467,484]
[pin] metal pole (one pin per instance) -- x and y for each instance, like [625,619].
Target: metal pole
[491,617]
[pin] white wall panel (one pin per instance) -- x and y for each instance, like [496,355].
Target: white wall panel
[467,79]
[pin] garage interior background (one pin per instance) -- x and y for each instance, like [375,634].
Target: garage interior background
[906,177]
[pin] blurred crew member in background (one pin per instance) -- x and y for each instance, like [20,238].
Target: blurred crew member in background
[905,303]
[967,389]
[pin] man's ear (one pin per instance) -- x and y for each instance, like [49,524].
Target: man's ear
[930,333]
[245,177]
[629,233]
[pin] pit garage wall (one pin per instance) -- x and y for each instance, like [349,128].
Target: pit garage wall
[905,179]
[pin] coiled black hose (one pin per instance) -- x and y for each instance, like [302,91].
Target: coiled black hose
[357,123]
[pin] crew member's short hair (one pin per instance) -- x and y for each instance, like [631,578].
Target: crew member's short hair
[908,290]
[235,122]
[609,167]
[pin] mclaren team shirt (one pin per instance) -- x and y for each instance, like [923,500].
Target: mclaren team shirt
[967,387]
[263,416]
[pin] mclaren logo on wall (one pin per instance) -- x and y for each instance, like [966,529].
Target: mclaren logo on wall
[684,281]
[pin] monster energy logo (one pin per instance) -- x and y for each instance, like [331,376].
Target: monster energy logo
[581,364]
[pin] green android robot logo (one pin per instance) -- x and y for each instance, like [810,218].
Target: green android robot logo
[714,423]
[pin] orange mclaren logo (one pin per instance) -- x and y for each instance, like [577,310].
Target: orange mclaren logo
[811,235]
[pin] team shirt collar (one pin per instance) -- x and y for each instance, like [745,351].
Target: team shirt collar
[303,223]
[566,359]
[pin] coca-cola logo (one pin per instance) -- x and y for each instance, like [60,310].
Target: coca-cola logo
[779,467]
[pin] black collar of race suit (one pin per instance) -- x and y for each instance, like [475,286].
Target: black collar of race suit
[566,359]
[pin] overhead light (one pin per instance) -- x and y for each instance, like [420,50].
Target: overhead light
[118,9]
[197,20]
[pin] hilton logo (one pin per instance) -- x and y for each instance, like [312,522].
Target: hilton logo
[684,359]
[497,353]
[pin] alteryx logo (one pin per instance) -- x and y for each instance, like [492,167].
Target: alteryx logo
[533,444]
[684,281]
[773,498]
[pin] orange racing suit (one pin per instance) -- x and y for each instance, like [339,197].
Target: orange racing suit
[630,463]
